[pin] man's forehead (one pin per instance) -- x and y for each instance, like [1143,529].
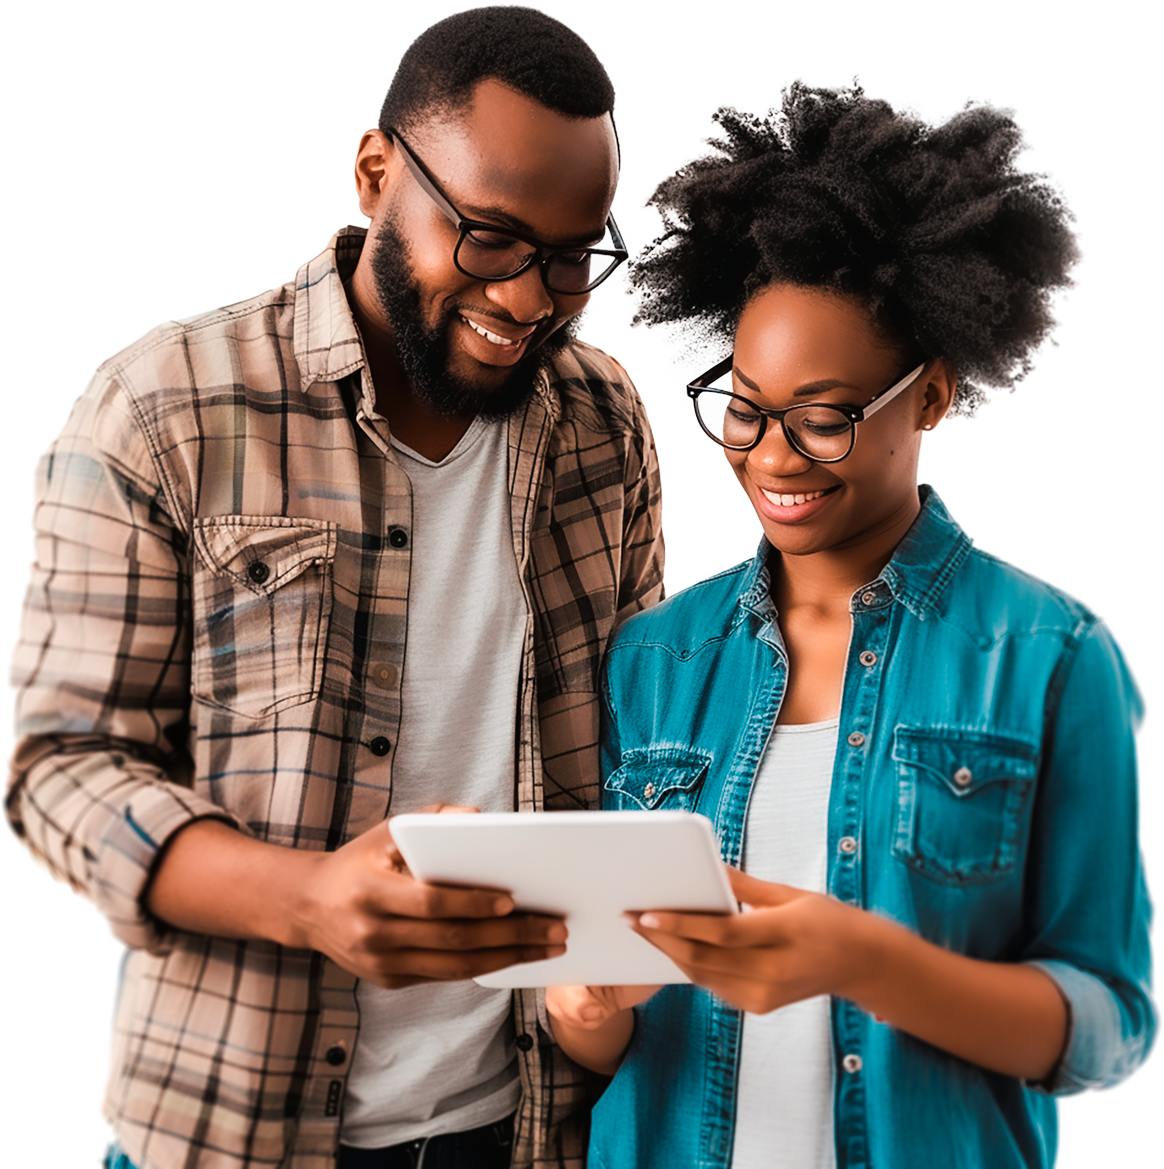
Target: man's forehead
[501,125]
[504,150]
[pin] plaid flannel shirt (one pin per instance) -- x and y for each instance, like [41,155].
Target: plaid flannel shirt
[216,629]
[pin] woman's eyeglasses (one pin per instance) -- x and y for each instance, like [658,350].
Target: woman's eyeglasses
[819,431]
[488,252]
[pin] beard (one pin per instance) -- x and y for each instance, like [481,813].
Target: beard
[423,349]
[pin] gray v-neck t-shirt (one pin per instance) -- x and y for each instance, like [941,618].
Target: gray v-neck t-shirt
[440,1057]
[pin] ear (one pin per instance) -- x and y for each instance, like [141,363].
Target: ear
[940,386]
[373,168]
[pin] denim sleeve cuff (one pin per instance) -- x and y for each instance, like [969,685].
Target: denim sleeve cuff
[1096,1053]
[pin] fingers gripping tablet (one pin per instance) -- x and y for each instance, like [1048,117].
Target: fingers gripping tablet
[590,868]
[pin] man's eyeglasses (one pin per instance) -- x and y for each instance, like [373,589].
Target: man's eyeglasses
[820,431]
[488,252]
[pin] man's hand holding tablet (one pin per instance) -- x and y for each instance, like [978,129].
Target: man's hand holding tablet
[375,919]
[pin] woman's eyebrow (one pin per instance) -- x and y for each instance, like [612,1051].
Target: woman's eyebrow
[806,391]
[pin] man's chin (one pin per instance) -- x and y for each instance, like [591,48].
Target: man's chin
[464,398]
[489,392]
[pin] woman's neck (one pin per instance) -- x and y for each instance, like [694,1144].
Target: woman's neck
[826,580]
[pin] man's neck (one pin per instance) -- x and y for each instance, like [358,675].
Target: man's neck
[409,419]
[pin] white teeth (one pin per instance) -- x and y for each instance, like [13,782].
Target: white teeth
[489,336]
[791,500]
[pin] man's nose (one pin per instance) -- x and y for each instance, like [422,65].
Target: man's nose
[525,298]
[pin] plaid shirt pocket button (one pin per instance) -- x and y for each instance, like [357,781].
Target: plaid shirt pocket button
[252,575]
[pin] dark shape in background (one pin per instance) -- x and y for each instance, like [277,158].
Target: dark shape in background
[134,101]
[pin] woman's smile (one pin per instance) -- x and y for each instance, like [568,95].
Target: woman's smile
[791,507]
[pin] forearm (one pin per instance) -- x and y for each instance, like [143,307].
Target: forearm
[1005,1017]
[211,879]
[601,1048]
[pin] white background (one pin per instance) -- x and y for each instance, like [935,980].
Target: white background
[1093,458]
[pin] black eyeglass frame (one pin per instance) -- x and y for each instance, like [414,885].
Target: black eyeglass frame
[542,253]
[854,414]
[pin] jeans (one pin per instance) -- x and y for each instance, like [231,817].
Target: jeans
[488,1147]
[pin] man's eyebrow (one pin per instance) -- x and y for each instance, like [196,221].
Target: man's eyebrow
[499,217]
[808,390]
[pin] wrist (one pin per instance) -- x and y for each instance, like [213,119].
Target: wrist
[874,950]
[293,910]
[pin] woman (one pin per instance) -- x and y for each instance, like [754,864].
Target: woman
[920,757]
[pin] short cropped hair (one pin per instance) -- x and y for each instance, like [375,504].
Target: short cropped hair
[953,251]
[521,47]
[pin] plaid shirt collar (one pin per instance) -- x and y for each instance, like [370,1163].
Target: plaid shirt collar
[327,342]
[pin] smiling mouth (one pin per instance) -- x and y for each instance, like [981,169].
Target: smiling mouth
[784,500]
[496,338]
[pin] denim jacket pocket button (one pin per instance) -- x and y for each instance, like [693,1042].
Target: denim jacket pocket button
[964,799]
[658,778]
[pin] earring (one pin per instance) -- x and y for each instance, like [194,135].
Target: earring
[928,426]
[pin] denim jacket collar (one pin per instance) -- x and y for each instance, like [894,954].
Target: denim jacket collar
[917,575]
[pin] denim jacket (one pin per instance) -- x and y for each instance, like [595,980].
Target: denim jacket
[983,795]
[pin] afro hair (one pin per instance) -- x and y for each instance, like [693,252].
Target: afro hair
[521,47]
[953,252]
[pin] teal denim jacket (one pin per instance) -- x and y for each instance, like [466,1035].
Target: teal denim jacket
[983,795]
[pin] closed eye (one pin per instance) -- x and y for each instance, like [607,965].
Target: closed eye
[493,241]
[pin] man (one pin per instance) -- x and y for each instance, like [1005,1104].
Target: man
[348,549]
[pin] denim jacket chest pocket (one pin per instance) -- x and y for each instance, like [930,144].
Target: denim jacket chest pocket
[963,802]
[668,779]
[262,596]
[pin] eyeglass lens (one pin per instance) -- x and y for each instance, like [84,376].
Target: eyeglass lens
[819,431]
[495,255]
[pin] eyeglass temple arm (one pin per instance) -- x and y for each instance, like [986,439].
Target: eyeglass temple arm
[717,371]
[421,175]
[891,393]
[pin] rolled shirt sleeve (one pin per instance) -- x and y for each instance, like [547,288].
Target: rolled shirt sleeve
[100,780]
[1088,901]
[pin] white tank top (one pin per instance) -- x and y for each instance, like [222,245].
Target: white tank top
[784,1101]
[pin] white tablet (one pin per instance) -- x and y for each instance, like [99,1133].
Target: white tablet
[589,867]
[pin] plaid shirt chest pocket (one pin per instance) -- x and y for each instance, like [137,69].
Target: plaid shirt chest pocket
[964,800]
[262,597]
